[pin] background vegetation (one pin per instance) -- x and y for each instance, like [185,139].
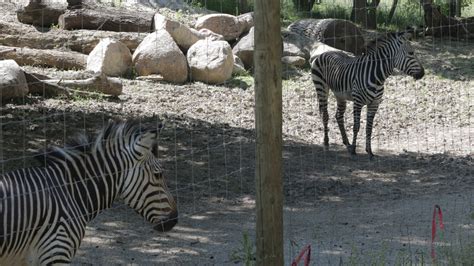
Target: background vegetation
[407,13]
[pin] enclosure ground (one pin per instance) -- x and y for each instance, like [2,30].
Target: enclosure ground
[351,209]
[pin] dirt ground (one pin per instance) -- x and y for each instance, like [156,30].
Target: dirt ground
[352,210]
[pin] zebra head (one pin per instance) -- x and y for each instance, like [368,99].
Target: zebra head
[405,59]
[144,187]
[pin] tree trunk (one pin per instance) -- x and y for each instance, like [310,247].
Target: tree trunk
[372,14]
[455,8]
[392,11]
[440,25]
[303,5]
[46,58]
[83,41]
[359,12]
[105,20]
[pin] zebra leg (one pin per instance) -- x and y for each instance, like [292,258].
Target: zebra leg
[341,109]
[357,110]
[323,111]
[371,111]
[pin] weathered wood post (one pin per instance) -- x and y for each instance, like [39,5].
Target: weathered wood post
[268,126]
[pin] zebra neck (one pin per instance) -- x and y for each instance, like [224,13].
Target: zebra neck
[92,183]
[381,67]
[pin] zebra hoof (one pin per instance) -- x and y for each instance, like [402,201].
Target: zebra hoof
[351,149]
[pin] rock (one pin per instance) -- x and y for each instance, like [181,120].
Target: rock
[246,20]
[302,43]
[239,67]
[244,49]
[224,24]
[159,54]
[12,80]
[297,61]
[211,61]
[182,35]
[290,49]
[109,57]
[41,13]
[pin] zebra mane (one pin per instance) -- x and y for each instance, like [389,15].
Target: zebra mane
[84,143]
[379,42]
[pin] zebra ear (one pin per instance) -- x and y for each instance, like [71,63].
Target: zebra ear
[408,34]
[147,139]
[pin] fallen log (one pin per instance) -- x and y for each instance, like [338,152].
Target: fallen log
[338,33]
[110,20]
[46,58]
[99,84]
[83,41]
[440,25]
[38,87]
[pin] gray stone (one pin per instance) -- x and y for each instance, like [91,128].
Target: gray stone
[224,24]
[110,57]
[239,67]
[183,35]
[12,80]
[159,54]
[244,49]
[297,61]
[210,61]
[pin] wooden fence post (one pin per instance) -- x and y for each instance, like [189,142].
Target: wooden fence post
[268,126]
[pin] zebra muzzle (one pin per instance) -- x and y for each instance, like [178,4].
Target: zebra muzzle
[419,74]
[167,224]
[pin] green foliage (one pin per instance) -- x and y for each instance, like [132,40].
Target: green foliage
[223,6]
[407,13]
[246,253]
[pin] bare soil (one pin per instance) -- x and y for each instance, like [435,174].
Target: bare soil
[352,210]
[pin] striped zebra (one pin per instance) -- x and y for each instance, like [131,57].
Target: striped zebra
[44,210]
[360,79]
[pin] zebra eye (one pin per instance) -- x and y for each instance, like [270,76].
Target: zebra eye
[411,53]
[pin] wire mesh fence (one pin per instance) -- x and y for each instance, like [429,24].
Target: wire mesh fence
[352,210]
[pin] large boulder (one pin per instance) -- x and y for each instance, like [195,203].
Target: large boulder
[182,35]
[42,13]
[244,49]
[210,61]
[239,68]
[12,80]
[246,20]
[224,24]
[159,54]
[296,61]
[109,57]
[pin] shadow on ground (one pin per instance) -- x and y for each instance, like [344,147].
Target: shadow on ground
[210,170]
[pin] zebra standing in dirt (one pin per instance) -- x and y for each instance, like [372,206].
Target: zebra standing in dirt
[360,79]
[44,210]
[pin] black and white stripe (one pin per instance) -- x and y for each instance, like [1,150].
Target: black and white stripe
[361,79]
[44,210]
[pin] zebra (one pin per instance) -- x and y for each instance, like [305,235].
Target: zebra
[44,210]
[361,79]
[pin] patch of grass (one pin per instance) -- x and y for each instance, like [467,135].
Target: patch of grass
[243,81]
[246,253]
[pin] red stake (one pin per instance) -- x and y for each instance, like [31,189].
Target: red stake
[433,228]
[306,250]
